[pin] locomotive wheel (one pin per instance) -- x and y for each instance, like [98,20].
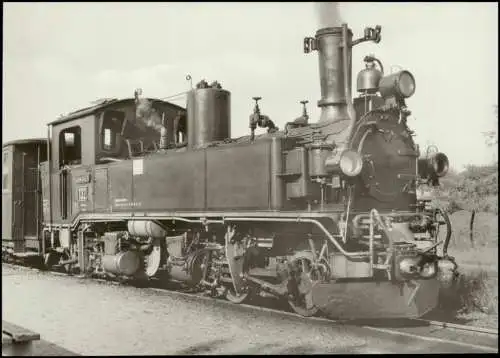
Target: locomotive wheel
[51,259]
[300,286]
[152,261]
[64,257]
[233,297]
[241,297]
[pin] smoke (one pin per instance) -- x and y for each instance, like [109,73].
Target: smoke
[147,115]
[328,14]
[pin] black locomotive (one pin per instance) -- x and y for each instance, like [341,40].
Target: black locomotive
[325,215]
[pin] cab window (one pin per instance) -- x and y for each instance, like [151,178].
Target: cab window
[111,128]
[70,143]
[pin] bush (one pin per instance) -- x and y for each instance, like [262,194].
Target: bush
[473,291]
[475,188]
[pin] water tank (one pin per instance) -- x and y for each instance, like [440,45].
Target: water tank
[209,114]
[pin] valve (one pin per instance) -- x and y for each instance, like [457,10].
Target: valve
[254,117]
[257,119]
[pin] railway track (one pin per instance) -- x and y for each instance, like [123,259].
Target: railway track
[429,330]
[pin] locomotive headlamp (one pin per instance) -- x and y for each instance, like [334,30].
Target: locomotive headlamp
[428,269]
[434,166]
[351,163]
[409,267]
[400,84]
[440,164]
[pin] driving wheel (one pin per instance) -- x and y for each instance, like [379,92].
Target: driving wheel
[303,278]
[237,298]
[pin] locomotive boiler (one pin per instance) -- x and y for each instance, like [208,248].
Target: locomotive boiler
[325,214]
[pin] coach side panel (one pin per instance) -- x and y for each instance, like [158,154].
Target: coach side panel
[7,193]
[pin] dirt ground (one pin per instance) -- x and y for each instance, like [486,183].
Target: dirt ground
[92,318]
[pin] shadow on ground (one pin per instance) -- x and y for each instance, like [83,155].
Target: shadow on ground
[217,346]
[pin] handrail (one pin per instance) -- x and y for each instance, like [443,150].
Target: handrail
[312,221]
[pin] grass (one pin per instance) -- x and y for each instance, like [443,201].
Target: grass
[474,296]
[473,291]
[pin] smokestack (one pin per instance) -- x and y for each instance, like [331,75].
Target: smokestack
[331,41]
[333,69]
[334,45]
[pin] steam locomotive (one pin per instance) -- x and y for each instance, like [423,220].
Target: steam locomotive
[325,215]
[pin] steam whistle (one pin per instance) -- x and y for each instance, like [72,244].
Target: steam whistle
[261,120]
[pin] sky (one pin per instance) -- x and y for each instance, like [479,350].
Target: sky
[58,57]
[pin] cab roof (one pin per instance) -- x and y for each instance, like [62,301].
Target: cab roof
[102,105]
[25,141]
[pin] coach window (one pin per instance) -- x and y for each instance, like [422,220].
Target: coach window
[70,142]
[111,128]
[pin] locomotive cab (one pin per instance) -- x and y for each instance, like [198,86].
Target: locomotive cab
[85,140]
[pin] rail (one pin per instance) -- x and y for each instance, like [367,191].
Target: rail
[459,327]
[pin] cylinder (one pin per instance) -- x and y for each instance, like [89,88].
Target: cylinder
[209,116]
[125,263]
[329,44]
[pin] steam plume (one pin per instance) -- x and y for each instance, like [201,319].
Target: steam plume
[328,14]
[147,115]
